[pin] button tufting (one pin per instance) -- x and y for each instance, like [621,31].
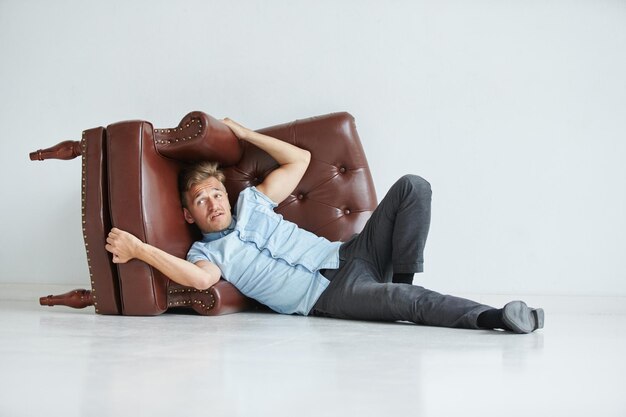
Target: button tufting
[346,211]
[300,196]
[342,170]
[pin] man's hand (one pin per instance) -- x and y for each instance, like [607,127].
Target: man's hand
[122,245]
[240,131]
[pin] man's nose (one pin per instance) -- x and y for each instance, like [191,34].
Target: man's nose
[211,204]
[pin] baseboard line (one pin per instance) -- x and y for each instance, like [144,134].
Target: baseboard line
[552,303]
[558,303]
[32,292]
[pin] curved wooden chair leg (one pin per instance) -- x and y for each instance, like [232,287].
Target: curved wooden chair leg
[78,298]
[68,149]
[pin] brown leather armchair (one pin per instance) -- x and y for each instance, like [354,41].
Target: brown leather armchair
[129,181]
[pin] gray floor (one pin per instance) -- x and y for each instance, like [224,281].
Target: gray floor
[74,363]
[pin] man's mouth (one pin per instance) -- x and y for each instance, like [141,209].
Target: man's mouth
[213,217]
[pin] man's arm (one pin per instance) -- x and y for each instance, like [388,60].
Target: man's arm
[293,161]
[125,246]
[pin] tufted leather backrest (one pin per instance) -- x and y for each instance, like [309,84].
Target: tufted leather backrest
[336,196]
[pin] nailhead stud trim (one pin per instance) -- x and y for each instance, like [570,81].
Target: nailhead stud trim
[83,144]
[193,300]
[180,129]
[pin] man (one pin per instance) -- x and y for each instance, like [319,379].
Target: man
[294,271]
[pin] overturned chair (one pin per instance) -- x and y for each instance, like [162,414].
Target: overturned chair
[129,181]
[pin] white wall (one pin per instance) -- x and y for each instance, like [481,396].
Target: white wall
[515,111]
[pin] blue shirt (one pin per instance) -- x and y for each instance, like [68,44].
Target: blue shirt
[268,258]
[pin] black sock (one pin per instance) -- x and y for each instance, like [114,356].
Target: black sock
[402,278]
[491,319]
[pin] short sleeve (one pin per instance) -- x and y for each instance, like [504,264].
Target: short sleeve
[196,253]
[261,198]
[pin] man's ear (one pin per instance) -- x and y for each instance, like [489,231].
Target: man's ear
[188,216]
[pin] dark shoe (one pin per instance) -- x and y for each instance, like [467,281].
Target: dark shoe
[522,319]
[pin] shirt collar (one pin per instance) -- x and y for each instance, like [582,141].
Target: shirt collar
[211,236]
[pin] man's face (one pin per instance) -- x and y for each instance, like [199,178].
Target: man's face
[208,206]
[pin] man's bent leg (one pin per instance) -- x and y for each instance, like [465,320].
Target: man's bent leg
[395,236]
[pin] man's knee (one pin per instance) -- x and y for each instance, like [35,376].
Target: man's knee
[416,184]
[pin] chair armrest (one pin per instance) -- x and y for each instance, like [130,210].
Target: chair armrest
[199,137]
[222,298]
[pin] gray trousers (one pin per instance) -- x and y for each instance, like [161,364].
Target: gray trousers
[392,241]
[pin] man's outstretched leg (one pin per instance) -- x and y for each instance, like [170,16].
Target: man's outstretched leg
[355,293]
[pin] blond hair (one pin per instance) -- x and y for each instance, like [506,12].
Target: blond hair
[195,174]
